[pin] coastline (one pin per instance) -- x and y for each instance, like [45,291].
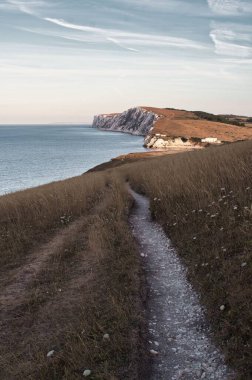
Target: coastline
[137,156]
[33,156]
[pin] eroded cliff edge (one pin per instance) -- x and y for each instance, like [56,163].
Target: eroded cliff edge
[137,121]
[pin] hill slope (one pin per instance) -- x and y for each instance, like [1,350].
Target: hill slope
[72,274]
[165,127]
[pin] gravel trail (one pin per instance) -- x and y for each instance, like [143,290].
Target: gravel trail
[179,337]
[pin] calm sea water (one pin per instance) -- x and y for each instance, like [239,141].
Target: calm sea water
[35,155]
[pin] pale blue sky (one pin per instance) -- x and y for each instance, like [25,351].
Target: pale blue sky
[64,61]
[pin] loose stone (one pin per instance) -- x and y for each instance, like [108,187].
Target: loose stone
[87,373]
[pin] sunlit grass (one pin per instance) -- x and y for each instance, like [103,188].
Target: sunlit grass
[90,284]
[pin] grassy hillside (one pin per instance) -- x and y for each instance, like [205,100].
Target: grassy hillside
[71,272]
[203,199]
[218,118]
[175,123]
[70,275]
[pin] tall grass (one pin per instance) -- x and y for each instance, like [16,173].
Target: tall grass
[204,201]
[90,284]
[89,287]
[27,217]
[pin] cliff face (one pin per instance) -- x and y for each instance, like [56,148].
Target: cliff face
[158,141]
[136,121]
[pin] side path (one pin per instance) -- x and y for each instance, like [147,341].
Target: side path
[179,337]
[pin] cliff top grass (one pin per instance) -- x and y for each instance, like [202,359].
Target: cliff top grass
[199,125]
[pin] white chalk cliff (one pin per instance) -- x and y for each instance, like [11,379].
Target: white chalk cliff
[136,121]
[158,141]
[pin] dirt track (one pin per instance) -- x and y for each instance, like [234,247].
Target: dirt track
[179,337]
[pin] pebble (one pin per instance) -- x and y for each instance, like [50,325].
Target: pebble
[222,307]
[243,264]
[106,337]
[87,372]
[153,352]
[50,353]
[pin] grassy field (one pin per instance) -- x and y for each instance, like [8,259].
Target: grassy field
[70,275]
[71,279]
[203,199]
[175,123]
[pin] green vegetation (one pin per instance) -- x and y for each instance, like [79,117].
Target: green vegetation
[217,118]
[87,279]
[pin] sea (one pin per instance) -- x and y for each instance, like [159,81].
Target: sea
[32,155]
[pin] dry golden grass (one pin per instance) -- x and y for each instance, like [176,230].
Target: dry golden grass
[69,259]
[88,286]
[27,217]
[180,123]
[172,113]
[204,201]
[202,129]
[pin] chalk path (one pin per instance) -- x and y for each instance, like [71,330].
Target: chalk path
[179,338]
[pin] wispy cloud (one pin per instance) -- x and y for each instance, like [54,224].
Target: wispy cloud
[28,6]
[65,24]
[232,40]
[6,7]
[173,70]
[237,61]
[116,42]
[168,6]
[127,39]
[230,7]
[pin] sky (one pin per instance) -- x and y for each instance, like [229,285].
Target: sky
[67,60]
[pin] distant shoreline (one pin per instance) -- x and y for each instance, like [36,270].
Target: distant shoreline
[31,156]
